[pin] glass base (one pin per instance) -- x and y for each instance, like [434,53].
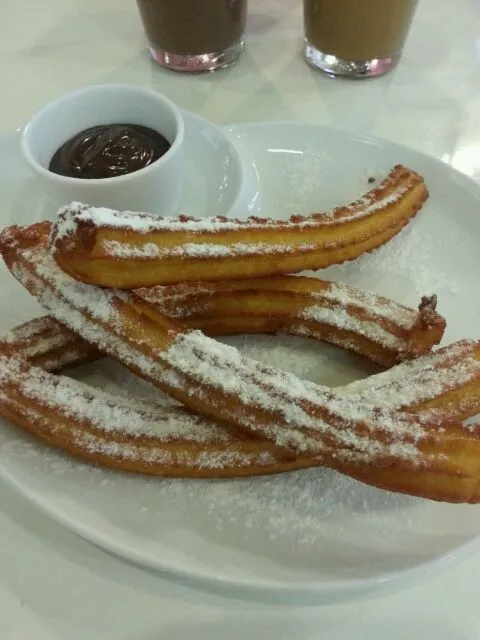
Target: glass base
[197,63]
[333,66]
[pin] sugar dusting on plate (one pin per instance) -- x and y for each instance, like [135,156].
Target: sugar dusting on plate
[399,259]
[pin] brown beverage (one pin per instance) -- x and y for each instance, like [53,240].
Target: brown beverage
[193,27]
[358,30]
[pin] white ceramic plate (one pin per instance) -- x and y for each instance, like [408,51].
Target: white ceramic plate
[312,532]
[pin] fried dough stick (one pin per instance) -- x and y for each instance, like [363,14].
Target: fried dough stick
[216,381]
[50,345]
[368,324]
[129,434]
[128,250]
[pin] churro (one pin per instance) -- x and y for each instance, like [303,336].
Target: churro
[216,381]
[368,324]
[430,381]
[128,250]
[414,444]
[129,434]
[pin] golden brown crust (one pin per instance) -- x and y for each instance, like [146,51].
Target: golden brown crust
[147,342]
[161,252]
[57,411]
[61,433]
[422,484]
[370,325]
[446,381]
[437,448]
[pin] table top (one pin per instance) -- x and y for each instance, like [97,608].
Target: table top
[53,585]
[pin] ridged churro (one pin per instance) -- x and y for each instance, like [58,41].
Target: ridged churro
[427,383]
[216,381]
[399,430]
[129,434]
[128,250]
[368,324]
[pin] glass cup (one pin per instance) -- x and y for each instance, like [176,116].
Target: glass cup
[194,35]
[356,38]
[156,188]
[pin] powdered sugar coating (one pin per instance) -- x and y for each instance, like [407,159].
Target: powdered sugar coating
[204,250]
[424,379]
[421,379]
[100,444]
[342,319]
[107,412]
[338,305]
[46,343]
[217,366]
[77,212]
[346,295]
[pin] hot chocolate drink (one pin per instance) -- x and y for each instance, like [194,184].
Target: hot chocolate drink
[189,28]
[358,31]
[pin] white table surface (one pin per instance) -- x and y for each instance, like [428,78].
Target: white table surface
[52,584]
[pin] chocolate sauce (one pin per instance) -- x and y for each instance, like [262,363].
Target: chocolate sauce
[107,151]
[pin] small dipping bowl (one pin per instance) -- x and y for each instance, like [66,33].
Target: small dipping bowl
[156,188]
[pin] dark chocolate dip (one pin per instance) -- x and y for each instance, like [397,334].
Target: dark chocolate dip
[107,151]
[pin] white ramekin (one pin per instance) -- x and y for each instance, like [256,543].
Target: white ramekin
[155,189]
